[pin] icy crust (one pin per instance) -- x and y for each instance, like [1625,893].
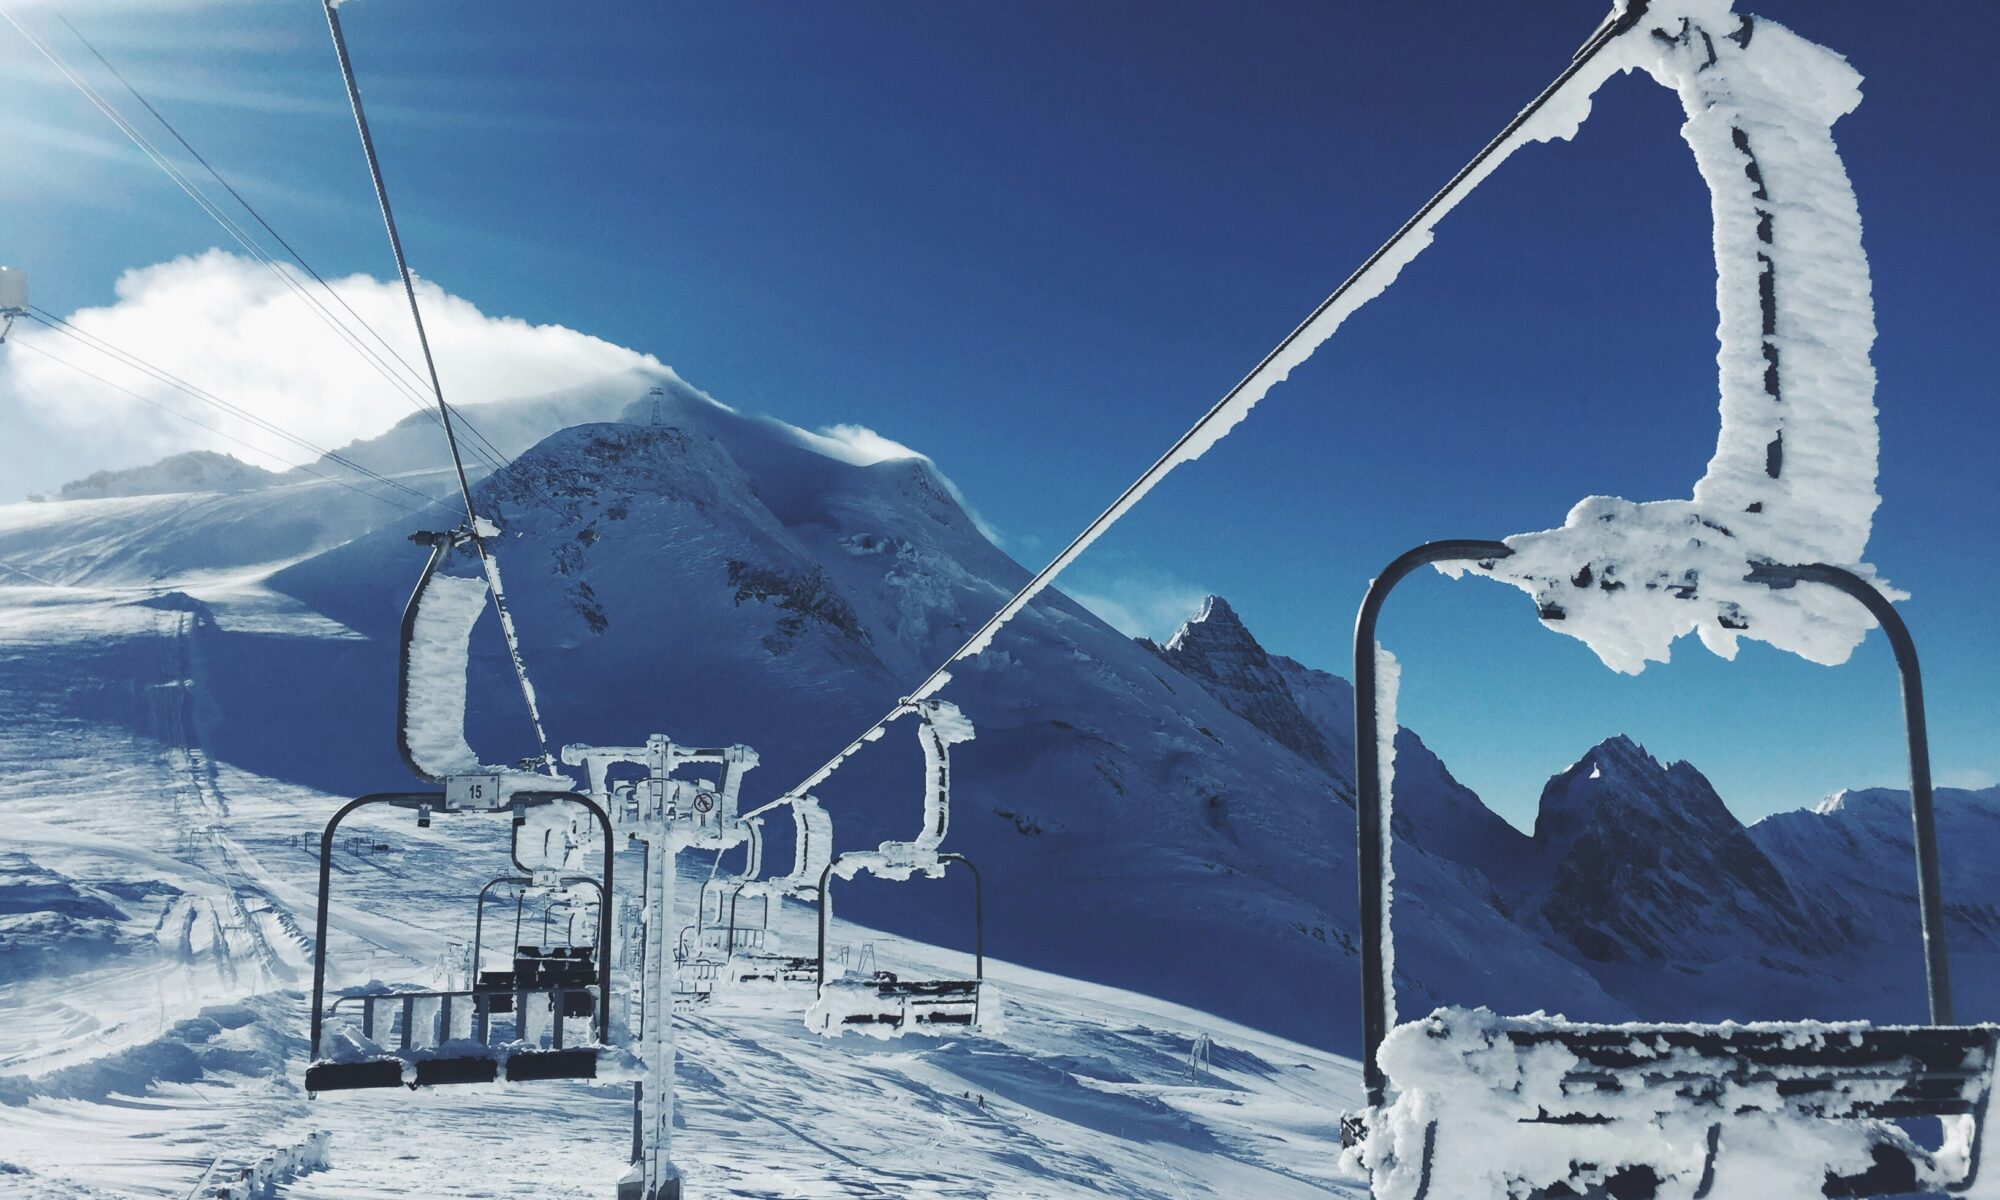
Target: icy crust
[440,652]
[1792,479]
[1388,684]
[891,1016]
[252,1180]
[1457,1079]
[440,638]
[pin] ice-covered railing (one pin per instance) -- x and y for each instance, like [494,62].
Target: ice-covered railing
[1792,479]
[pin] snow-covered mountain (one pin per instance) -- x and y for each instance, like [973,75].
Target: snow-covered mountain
[1176,819]
[1311,713]
[194,471]
[725,578]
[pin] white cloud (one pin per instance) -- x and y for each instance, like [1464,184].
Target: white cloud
[231,327]
[861,445]
[864,447]
[1139,604]
[1969,778]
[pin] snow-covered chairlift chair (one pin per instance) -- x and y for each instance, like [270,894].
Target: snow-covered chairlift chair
[750,947]
[445,1037]
[882,1003]
[1551,1108]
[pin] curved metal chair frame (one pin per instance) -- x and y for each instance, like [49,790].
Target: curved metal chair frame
[978,916]
[1377,1017]
[424,802]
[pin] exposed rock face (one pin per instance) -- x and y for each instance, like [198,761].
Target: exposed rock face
[1311,713]
[1647,864]
[1215,648]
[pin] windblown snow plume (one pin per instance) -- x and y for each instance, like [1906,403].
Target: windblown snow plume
[1793,475]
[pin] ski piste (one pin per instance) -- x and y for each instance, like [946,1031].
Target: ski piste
[1460,1102]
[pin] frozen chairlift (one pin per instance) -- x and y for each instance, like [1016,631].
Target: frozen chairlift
[574,962]
[1617,1084]
[749,946]
[1464,1105]
[435,1037]
[13,299]
[881,1002]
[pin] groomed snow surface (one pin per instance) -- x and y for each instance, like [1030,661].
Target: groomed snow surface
[171,1059]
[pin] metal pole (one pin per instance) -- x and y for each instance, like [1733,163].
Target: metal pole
[978,915]
[404,799]
[1377,1013]
[1930,894]
[825,876]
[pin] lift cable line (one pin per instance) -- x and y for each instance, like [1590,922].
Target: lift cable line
[56,324]
[472,526]
[1369,280]
[84,371]
[410,387]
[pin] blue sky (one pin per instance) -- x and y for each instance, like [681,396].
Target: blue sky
[1035,241]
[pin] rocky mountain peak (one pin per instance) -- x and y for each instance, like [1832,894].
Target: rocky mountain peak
[1215,629]
[1617,779]
[1650,864]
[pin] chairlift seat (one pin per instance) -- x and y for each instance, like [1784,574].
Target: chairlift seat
[883,999]
[1621,1076]
[519,1067]
[775,968]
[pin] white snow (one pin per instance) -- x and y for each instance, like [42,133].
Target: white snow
[1388,684]
[439,651]
[1458,1070]
[1792,479]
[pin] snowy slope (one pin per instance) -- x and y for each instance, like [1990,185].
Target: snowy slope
[1311,713]
[192,516]
[1853,856]
[721,578]
[170,1048]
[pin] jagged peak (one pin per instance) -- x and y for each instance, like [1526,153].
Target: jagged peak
[1619,775]
[1214,624]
